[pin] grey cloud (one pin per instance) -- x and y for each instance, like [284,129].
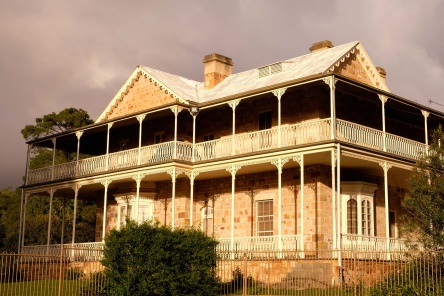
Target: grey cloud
[59,54]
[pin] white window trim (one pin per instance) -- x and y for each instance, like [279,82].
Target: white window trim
[361,191]
[205,216]
[257,216]
[124,200]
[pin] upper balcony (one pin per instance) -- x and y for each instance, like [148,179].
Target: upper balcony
[302,115]
[294,135]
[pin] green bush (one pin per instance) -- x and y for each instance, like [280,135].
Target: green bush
[73,273]
[151,260]
[421,276]
[94,285]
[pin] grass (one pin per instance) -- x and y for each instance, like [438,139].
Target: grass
[41,287]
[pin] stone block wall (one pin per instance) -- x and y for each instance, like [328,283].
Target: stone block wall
[143,94]
[216,193]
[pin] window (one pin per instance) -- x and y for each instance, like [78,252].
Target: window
[264,120]
[127,209]
[264,218]
[158,137]
[207,220]
[208,148]
[124,145]
[393,227]
[207,138]
[352,216]
[357,208]
[265,137]
[125,213]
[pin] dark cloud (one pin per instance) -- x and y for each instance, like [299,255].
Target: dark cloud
[59,54]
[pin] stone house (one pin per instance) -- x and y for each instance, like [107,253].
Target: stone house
[310,153]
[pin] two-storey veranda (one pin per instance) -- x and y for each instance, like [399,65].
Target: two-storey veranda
[300,162]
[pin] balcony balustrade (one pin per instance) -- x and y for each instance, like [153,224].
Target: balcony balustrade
[259,243]
[290,135]
[72,252]
[372,243]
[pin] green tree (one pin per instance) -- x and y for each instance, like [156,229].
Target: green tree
[53,123]
[149,259]
[9,219]
[425,200]
[50,124]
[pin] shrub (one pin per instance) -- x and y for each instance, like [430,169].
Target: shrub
[149,259]
[73,273]
[420,276]
[94,285]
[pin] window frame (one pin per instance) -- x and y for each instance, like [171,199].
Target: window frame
[266,218]
[363,193]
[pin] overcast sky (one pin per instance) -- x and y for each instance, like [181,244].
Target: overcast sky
[57,54]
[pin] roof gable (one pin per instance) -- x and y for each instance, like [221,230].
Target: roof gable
[349,59]
[147,88]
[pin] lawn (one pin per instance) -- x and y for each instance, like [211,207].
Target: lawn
[41,287]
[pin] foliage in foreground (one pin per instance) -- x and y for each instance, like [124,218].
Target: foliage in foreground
[421,276]
[425,199]
[149,259]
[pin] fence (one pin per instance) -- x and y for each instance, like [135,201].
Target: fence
[250,273]
[48,275]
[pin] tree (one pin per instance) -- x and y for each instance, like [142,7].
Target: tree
[37,209]
[425,200]
[9,219]
[37,215]
[53,123]
[50,124]
[149,259]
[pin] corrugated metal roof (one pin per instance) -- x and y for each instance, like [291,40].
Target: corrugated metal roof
[183,87]
[295,68]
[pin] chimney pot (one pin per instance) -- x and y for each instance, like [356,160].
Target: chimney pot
[321,45]
[216,68]
[382,73]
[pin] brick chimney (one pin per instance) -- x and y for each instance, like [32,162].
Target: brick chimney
[321,45]
[382,73]
[216,68]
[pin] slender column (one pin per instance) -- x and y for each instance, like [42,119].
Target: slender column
[192,175]
[175,110]
[384,134]
[22,229]
[51,195]
[105,202]
[138,178]
[140,118]
[194,111]
[385,167]
[63,221]
[333,195]
[74,218]
[300,159]
[426,114]
[232,170]
[78,135]
[107,145]
[54,140]
[233,105]
[279,163]
[278,94]
[331,82]
[27,163]
[338,174]
[172,173]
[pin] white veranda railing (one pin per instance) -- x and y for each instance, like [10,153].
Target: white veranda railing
[290,135]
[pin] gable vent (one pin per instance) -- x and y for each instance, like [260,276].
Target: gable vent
[270,70]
